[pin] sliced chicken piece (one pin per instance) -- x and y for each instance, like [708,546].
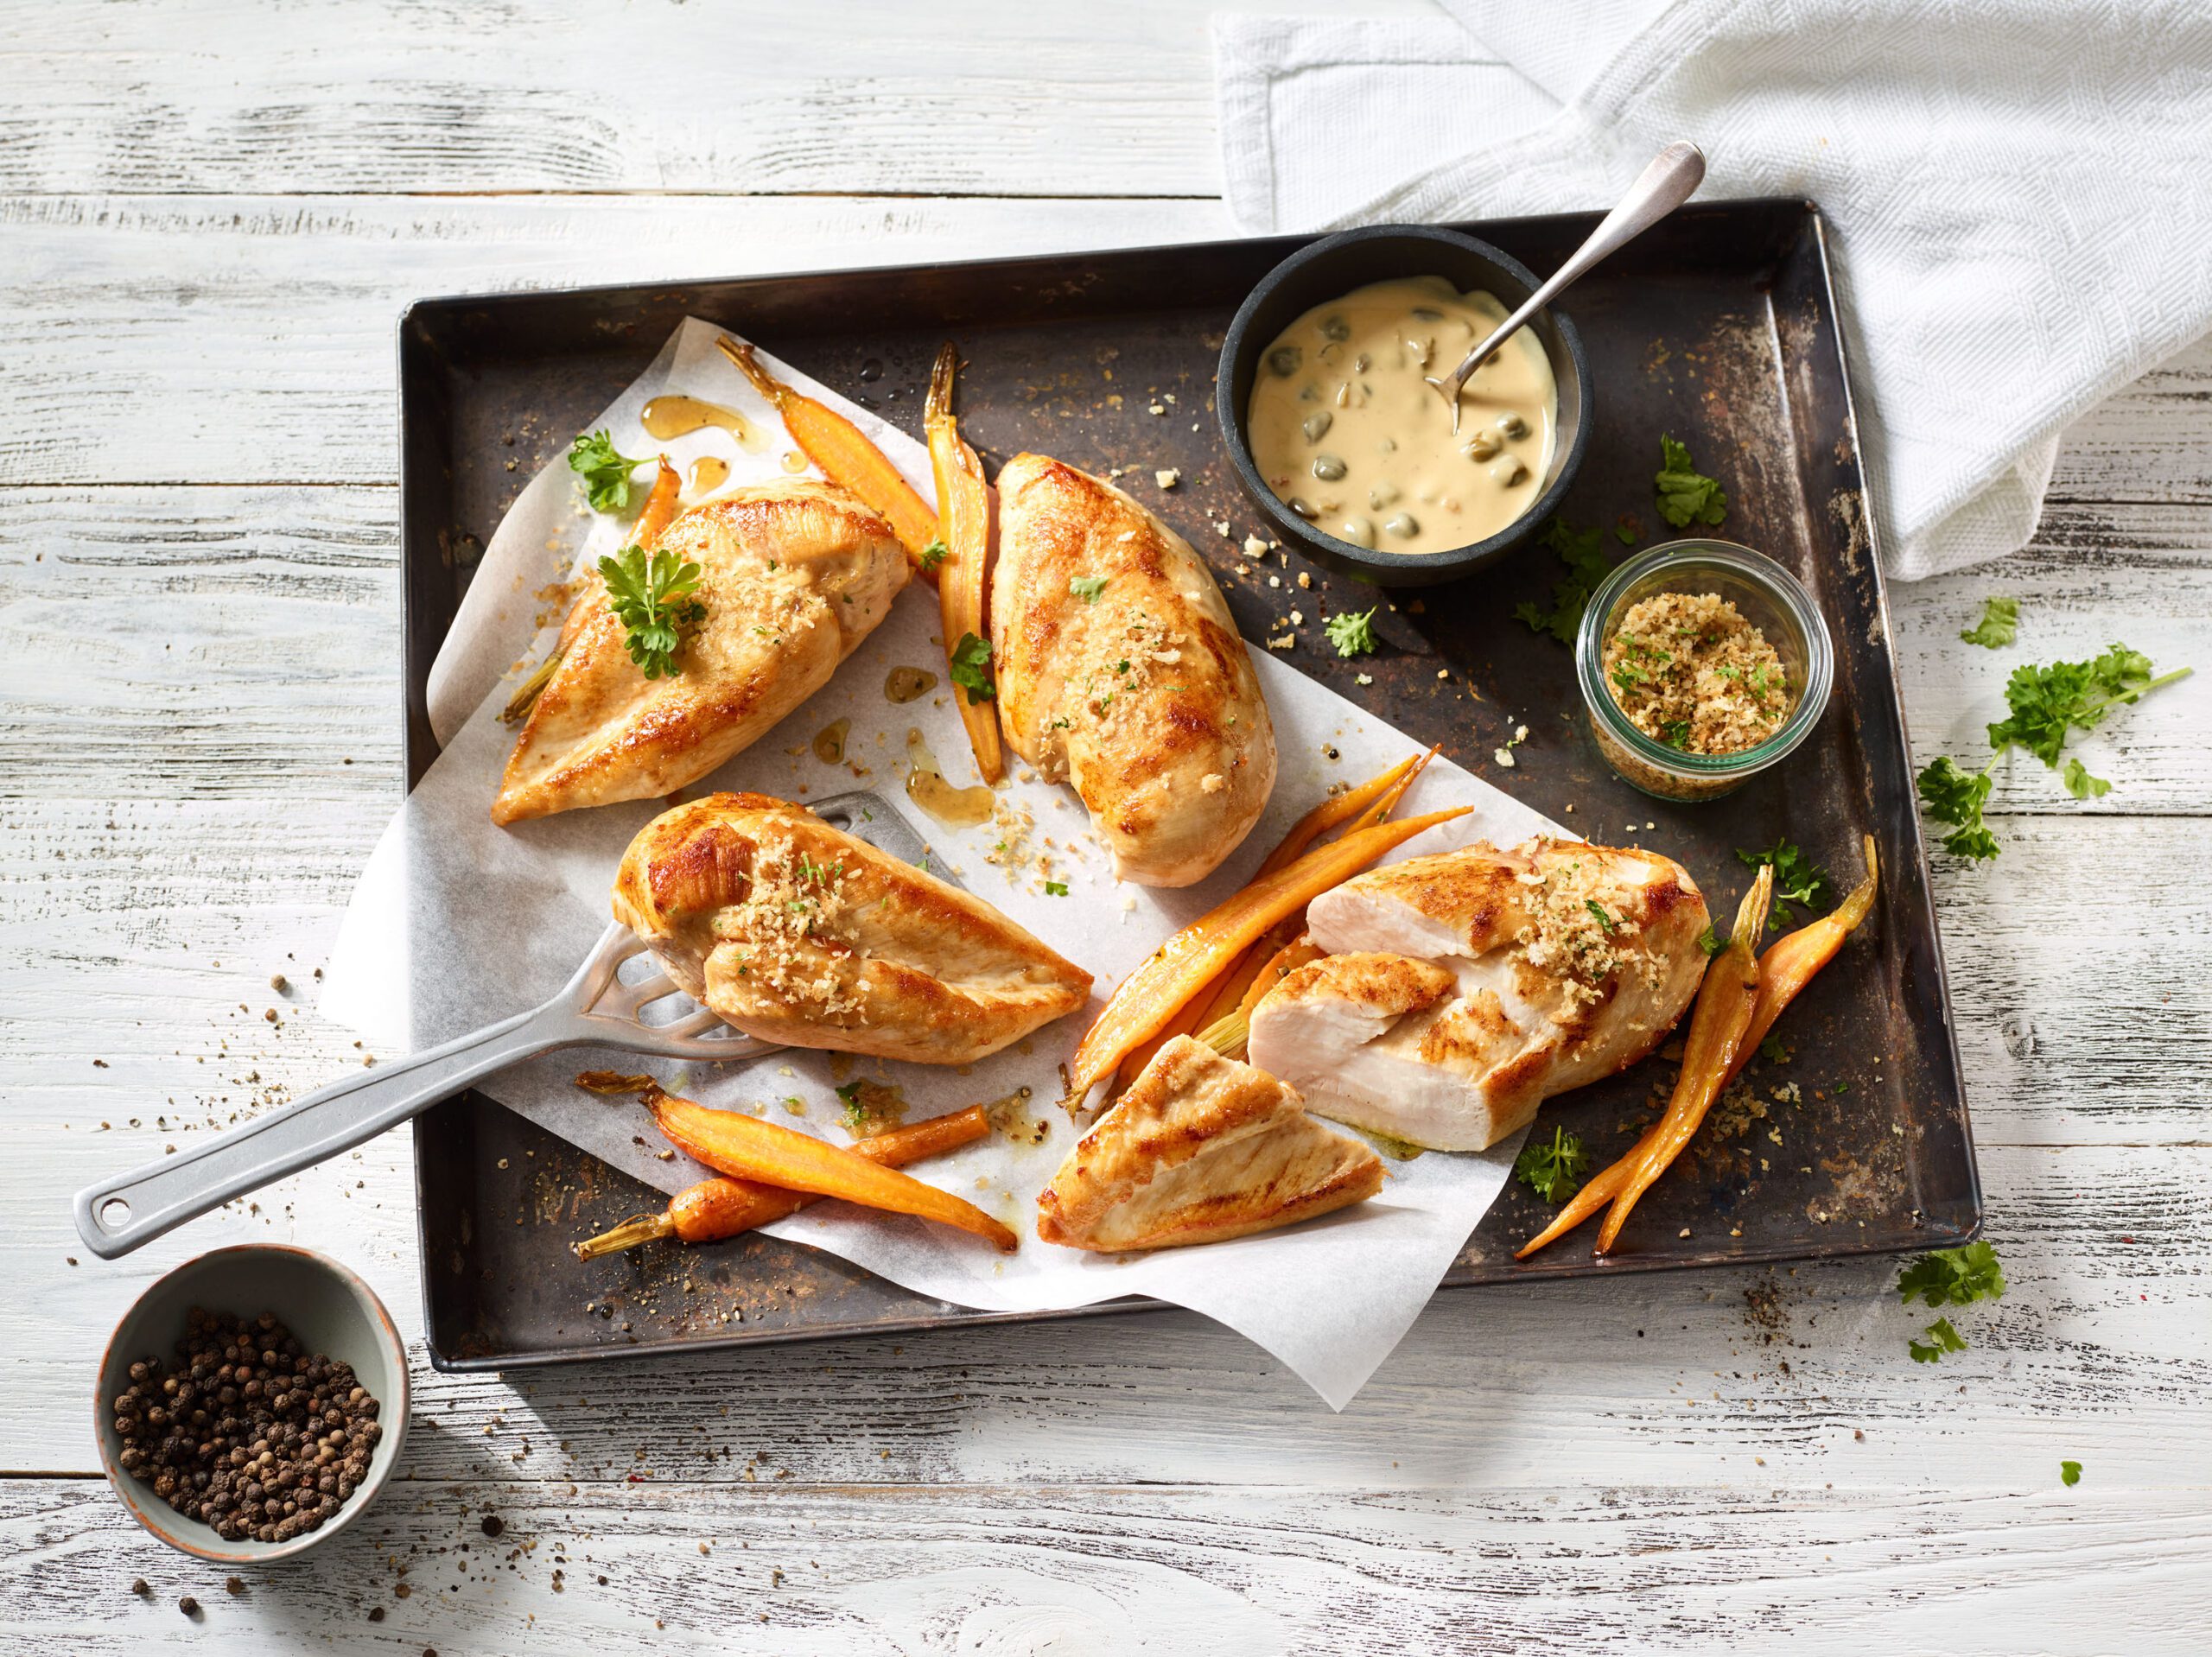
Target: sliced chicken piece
[797,932]
[1198,1149]
[1566,962]
[792,577]
[1120,669]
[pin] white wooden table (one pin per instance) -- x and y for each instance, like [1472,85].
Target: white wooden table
[210,217]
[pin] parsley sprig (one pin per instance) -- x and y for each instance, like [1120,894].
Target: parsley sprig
[1797,879]
[1950,1277]
[935,553]
[1351,632]
[2047,704]
[604,472]
[1553,1171]
[647,594]
[1586,569]
[1686,496]
[971,668]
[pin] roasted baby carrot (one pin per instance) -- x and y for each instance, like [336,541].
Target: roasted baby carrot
[1795,958]
[722,1207]
[1716,1027]
[836,445]
[1187,963]
[963,502]
[1362,807]
[746,1148]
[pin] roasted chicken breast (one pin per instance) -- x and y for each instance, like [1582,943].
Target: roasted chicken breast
[1200,1148]
[792,577]
[797,932]
[1120,669]
[1461,990]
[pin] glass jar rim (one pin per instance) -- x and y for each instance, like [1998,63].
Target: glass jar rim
[1783,590]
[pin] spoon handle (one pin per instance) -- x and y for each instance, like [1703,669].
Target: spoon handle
[1674,174]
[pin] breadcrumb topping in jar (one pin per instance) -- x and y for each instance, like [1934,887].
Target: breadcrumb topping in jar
[1690,671]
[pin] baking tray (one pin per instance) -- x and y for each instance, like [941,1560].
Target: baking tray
[1720,327]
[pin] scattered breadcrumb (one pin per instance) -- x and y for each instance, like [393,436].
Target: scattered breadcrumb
[1167,477]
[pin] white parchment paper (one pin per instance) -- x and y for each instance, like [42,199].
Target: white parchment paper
[456,923]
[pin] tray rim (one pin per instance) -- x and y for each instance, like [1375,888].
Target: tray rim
[417,313]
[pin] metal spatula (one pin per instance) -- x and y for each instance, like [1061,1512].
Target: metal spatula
[597,1007]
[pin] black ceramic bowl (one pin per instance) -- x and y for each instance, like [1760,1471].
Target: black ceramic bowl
[1334,266]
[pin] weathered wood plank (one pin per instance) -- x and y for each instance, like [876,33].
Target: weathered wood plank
[221,340]
[1057,98]
[1542,1568]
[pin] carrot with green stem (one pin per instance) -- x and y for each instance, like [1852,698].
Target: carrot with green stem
[845,457]
[722,1207]
[1181,967]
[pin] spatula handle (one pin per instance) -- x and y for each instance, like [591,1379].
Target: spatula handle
[115,1216]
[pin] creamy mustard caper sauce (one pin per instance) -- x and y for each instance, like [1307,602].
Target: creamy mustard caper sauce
[1348,433]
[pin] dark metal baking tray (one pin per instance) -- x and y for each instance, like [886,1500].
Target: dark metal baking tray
[1720,327]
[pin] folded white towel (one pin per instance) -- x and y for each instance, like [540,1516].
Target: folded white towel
[2021,189]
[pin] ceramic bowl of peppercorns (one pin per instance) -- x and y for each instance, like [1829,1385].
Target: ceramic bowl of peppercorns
[251,1403]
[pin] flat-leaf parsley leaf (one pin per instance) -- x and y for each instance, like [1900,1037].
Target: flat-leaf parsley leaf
[971,668]
[604,472]
[1797,879]
[1586,569]
[1553,1171]
[646,593]
[935,553]
[2069,1474]
[1087,588]
[1941,1338]
[1686,496]
[1954,1277]
[2000,624]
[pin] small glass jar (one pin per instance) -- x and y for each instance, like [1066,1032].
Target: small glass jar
[1769,597]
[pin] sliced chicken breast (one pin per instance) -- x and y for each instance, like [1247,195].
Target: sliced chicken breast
[1200,1148]
[1120,669]
[792,577]
[1464,989]
[797,932]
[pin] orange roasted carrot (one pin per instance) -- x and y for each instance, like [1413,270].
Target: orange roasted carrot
[964,504]
[722,1207]
[836,445]
[1365,806]
[660,507]
[1795,959]
[746,1148]
[1717,1027]
[1787,965]
[1187,963]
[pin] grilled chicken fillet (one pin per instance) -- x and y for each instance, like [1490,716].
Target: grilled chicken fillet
[1200,1148]
[1120,669]
[798,933]
[792,577]
[1462,990]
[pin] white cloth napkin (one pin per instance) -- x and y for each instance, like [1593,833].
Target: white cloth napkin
[2021,189]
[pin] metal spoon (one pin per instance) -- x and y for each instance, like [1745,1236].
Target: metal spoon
[1672,178]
